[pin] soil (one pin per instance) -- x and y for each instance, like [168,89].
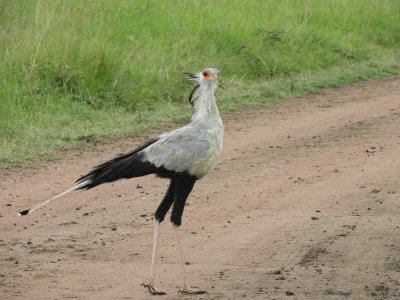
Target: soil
[304,204]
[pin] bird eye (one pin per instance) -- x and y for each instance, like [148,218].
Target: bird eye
[205,74]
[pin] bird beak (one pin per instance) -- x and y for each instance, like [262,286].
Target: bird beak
[193,76]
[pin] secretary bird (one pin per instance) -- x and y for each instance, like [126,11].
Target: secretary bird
[183,155]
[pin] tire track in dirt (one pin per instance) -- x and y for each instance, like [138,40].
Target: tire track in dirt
[304,204]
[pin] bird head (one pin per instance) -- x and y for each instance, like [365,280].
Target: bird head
[208,77]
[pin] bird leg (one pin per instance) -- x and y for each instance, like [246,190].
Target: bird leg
[150,285]
[186,287]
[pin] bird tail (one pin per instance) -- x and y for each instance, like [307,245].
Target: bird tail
[76,187]
[126,166]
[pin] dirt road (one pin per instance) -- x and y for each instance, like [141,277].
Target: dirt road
[304,204]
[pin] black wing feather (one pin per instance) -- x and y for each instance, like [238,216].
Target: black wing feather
[125,166]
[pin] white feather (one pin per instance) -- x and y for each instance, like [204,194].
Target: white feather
[80,185]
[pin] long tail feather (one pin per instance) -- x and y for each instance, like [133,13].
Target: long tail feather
[125,166]
[76,187]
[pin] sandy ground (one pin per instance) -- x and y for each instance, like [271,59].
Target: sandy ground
[304,204]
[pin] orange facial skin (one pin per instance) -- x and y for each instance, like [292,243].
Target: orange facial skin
[207,75]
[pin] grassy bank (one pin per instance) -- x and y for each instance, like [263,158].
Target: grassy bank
[73,71]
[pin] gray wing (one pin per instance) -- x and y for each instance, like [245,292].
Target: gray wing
[179,150]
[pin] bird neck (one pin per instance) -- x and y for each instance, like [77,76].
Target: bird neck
[206,107]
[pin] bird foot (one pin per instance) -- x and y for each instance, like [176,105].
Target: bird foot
[192,292]
[152,290]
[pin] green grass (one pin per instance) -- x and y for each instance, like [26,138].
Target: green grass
[72,71]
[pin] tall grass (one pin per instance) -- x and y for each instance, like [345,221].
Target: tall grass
[72,71]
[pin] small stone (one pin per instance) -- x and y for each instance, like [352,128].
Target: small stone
[281,278]
[289,293]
